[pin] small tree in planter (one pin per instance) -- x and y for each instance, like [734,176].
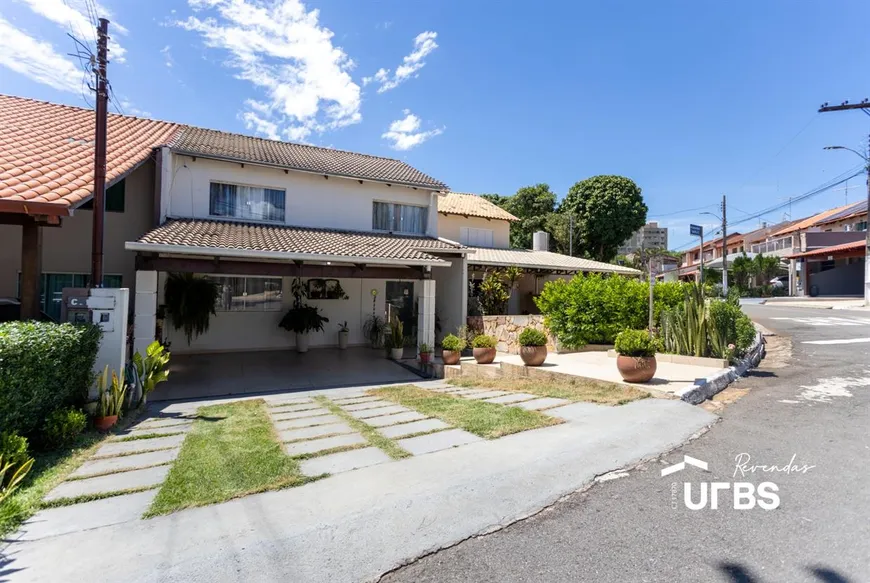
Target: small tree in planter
[425,353]
[452,346]
[533,347]
[397,339]
[373,329]
[343,335]
[302,320]
[636,358]
[484,348]
[110,400]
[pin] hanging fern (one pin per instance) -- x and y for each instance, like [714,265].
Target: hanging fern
[190,301]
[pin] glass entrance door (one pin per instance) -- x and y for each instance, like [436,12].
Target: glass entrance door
[400,304]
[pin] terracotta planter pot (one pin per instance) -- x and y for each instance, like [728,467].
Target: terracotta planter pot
[484,355]
[105,423]
[450,356]
[533,355]
[425,357]
[636,369]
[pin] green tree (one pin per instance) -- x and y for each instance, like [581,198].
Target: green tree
[531,205]
[743,270]
[609,209]
[766,266]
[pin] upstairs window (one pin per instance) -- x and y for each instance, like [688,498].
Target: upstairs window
[399,218]
[246,202]
[476,237]
[115,198]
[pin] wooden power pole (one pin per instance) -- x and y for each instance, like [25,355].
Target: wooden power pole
[102,107]
[724,250]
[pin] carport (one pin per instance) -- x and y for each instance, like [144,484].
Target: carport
[837,270]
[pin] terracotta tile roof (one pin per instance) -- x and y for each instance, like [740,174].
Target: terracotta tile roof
[810,221]
[471,205]
[213,143]
[542,260]
[47,153]
[286,242]
[717,242]
[833,250]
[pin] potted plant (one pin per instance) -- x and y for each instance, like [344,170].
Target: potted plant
[190,302]
[397,339]
[302,320]
[484,348]
[110,399]
[452,346]
[533,347]
[425,353]
[374,328]
[343,335]
[152,369]
[636,358]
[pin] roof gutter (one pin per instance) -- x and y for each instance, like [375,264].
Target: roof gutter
[433,187]
[625,271]
[252,254]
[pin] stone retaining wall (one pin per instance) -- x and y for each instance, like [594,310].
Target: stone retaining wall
[506,330]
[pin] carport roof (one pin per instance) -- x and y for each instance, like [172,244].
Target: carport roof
[543,260]
[844,248]
[264,241]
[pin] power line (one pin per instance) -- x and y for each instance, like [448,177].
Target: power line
[700,208]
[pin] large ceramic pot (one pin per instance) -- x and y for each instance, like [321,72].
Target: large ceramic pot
[484,355]
[450,356]
[636,369]
[105,423]
[301,342]
[342,339]
[533,355]
[397,353]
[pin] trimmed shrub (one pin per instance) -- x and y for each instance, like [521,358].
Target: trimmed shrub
[14,463]
[593,309]
[43,367]
[484,341]
[453,343]
[635,343]
[732,327]
[63,426]
[532,337]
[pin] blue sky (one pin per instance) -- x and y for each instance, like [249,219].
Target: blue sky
[689,99]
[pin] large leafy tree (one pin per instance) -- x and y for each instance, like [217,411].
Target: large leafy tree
[608,210]
[531,205]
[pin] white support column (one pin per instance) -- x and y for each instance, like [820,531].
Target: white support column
[145,310]
[426,314]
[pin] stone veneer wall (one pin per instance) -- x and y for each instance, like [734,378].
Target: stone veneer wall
[506,330]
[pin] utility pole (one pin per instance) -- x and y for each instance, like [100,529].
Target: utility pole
[724,251]
[865,106]
[100,155]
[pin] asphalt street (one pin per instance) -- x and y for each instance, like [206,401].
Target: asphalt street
[808,404]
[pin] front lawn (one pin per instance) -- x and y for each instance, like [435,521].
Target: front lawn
[588,390]
[231,451]
[489,420]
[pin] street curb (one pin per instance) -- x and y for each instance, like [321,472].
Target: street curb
[703,389]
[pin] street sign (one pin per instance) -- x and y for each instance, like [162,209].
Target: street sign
[696,230]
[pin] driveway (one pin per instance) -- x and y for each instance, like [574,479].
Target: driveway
[358,524]
[629,529]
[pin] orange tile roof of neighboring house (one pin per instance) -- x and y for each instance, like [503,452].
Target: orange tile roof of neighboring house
[471,205]
[47,153]
[732,238]
[810,221]
[854,245]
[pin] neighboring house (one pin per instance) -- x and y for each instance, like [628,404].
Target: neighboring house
[46,183]
[690,270]
[485,229]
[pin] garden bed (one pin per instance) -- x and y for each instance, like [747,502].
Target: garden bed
[579,390]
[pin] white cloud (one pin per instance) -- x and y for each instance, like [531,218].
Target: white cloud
[424,44]
[37,60]
[74,17]
[127,108]
[167,56]
[404,133]
[282,51]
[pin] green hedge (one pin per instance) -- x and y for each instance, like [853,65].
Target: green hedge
[43,366]
[593,309]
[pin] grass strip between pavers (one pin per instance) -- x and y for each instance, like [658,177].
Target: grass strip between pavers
[489,420]
[232,450]
[71,500]
[371,434]
[579,390]
[145,436]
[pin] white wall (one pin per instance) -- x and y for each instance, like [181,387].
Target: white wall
[451,294]
[67,249]
[449,227]
[248,331]
[311,200]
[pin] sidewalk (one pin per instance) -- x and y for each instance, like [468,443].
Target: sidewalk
[356,525]
[820,303]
